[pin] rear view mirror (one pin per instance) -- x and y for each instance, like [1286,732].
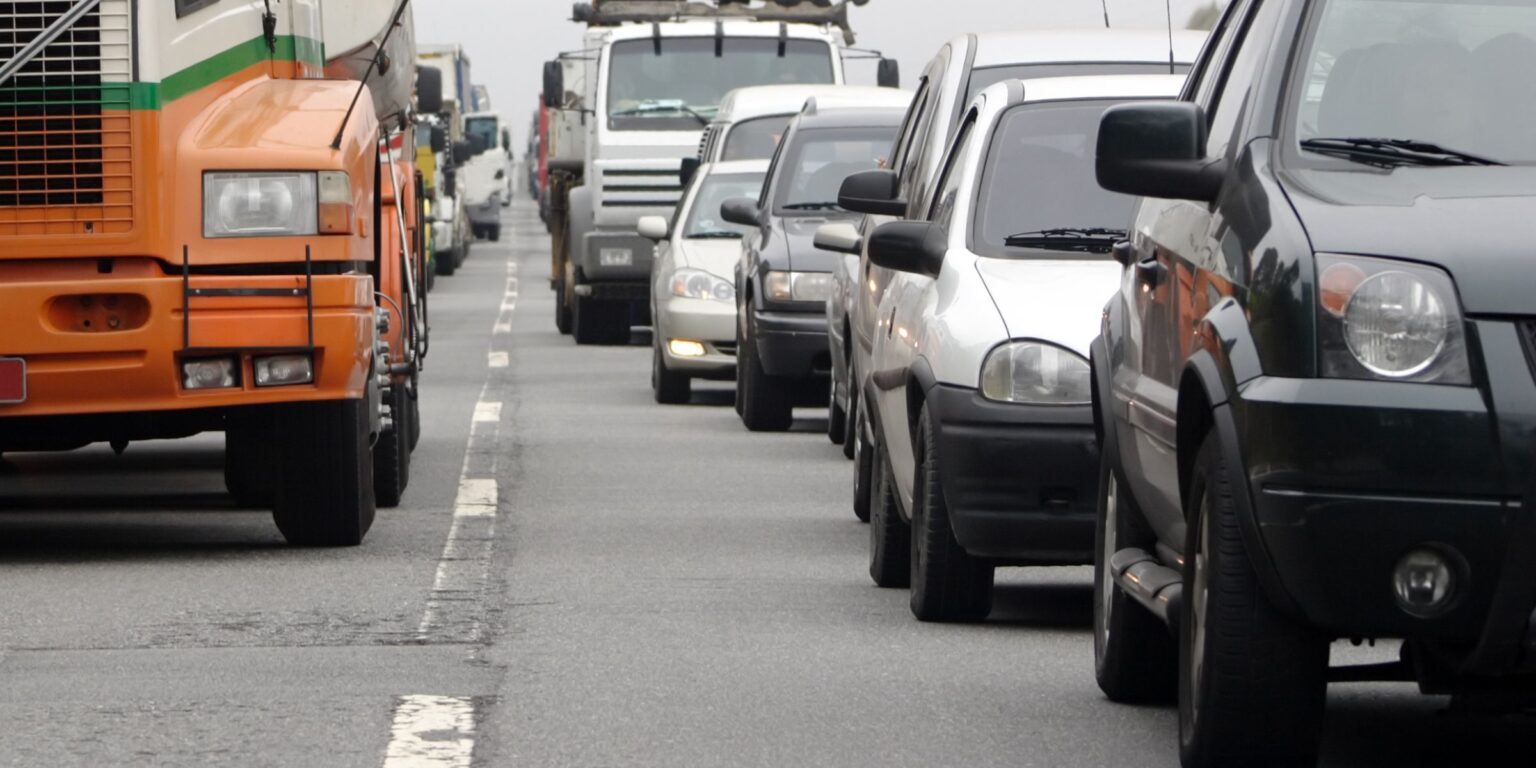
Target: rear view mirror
[873,192]
[429,91]
[839,237]
[554,84]
[654,228]
[917,247]
[1157,149]
[690,167]
[889,74]
[742,211]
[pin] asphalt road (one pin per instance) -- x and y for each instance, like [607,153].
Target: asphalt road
[578,577]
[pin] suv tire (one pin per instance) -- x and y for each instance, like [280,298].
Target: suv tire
[948,584]
[863,465]
[325,497]
[1134,657]
[764,400]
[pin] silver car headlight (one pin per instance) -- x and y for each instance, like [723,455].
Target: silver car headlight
[1035,373]
[799,286]
[698,284]
[260,204]
[1389,320]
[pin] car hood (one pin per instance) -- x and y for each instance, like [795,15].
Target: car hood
[717,257]
[1475,222]
[1057,301]
[799,234]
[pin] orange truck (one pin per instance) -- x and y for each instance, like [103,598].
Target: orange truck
[206,224]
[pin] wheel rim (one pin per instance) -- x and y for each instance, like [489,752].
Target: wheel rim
[1111,545]
[1199,609]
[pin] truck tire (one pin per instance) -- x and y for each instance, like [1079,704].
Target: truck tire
[251,458]
[600,322]
[414,411]
[890,538]
[447,262]
[863,465]
[669,387]
[948,584]
[764,400]
[1252,682]
[325,497]
[392,452]
[493,232]
[562,309]
[1134,657]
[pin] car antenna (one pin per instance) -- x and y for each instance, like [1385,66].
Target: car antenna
[373,64]
[1105,5]
[1168,6]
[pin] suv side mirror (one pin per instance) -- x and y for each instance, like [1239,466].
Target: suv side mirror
[438,139]
[1157,149]
[654,228]
[429,90]
[689,168]
[742,211]
[839,237]
[554,84]
[873,192]
[889,74]
[909,246]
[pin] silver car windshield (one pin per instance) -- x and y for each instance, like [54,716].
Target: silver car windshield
[704,217]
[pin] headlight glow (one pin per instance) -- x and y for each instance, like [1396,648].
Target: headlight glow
[1396,321]
[1035,373]
[260,204]
[698,284]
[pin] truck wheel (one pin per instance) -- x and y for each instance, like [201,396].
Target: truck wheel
[392,452]
[1134,658]
[600,322]
[493,232]
[947,583]
[863,465]
[414,412]
[765,400]
[1252,682]
[837,418]
[447,263]
[325,498]
[670,387]
[250,459]
[562,309]
[890,538]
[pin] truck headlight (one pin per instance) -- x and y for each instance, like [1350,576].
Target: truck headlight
[1035,373]
[798,286]
[260,204]
[1389,320]
[698,284]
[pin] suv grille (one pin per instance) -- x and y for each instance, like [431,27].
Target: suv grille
[66,135]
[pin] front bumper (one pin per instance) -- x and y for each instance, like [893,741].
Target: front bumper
[711,322]
[485,213]
[1020,481]
[635,267]
[793,344]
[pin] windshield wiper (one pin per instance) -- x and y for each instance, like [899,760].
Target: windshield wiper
[653,107]
[1079,239]
[811,207]
[715,235]
[1393,152]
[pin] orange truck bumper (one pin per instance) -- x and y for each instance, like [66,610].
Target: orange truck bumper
[115,343]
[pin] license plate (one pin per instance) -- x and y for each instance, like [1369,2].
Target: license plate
[615,257]
[13,380]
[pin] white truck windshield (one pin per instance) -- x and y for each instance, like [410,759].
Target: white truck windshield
[676,84]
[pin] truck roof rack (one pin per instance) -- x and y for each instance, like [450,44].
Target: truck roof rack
[608,13]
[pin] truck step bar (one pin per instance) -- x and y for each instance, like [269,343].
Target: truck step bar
[188,293]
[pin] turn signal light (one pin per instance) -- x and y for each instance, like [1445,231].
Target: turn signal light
[335,193]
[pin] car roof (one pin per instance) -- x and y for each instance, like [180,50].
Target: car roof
[764,100]
[853,117]
[1101,87]
[734,166]
[995,49]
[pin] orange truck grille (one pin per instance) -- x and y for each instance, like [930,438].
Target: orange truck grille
[66,131]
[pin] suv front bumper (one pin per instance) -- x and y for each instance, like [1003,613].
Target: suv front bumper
[793,344]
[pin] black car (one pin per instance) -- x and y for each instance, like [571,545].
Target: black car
[783,280]
[1316,388]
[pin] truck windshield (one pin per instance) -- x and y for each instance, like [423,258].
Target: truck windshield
[485,128]
[1038,196]
[755,139]
[1418,82]
[704,217]
[667,85]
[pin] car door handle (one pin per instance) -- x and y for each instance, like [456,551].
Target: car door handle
[1149,272]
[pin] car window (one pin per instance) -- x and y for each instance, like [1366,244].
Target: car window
[912,163]
[1202,79]
[815,163]
[483,127]
[1229,95]
[943,208]
[703,217]
[908,132]
[755,139]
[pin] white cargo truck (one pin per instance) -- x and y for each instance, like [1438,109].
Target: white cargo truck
[627,109]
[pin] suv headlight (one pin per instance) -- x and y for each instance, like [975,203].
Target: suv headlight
[698,284]
[1389,320]
[798,286]
[260,204]
[1035,373]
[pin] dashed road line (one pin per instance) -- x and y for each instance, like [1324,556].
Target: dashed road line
[432,732]
[498,359]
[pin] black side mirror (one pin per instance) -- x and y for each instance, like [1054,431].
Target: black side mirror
[742,211]
[873,192]
[463,151]
[908,246]
[554,84]
[438,139]
[689,170]
[477,145]
[889,74]
[1157,149]
[429,90]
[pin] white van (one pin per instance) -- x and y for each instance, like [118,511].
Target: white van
[486,179]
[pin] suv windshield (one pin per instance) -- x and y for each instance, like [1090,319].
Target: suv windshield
[1038,196]
[1419,82]
[704,217]
[814,167]
[755,139]
[681,88]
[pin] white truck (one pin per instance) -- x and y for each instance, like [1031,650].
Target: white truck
[486,178]
[451,231]
[627,109]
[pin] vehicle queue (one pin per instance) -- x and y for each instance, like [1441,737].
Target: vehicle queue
[1235,319]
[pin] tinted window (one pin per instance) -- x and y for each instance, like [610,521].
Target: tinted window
[755,139]
[1039,175]
[984,78]
[704,217]
[485,128]
[953,174]
[647,92]
[813,168]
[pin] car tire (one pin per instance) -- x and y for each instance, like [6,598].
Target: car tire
[764,400]
[837,418]
[1135,660]
[851,427]
[392,452]
[670,387]
[890,538]
[493,232]
[251,459]
[1252,682]
[863,466]
[948,584]
[600,322]
[325,497]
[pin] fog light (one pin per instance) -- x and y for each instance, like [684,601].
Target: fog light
[1424,582]
[210,373]
[685,348]
[283,370]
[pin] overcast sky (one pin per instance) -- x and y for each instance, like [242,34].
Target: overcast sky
[508,40]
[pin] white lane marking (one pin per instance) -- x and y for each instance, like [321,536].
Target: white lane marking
[432,732]
[477,498]
[487,412]
[503,329]
[498,360]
